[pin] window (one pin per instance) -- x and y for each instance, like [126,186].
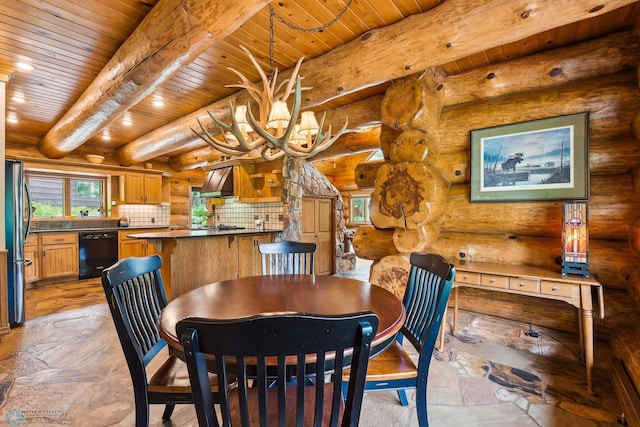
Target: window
[198,208]
[360,209]
[86,196]
[59,196]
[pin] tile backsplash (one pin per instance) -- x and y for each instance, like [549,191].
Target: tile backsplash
[243,214]
[145,215]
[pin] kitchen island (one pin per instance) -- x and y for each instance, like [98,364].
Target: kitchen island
[193,258]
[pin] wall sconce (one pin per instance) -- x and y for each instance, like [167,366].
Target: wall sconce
[575,238]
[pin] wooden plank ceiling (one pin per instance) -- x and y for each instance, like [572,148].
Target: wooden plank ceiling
[70,42]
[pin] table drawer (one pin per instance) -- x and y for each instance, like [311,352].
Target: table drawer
[555,288]
[527,285]
[55,238]
[466,277]
[495,281]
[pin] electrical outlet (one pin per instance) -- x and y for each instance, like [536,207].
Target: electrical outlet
[266,218]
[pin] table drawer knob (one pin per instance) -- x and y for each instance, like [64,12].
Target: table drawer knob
[492,281]
[522,285]
[554,289]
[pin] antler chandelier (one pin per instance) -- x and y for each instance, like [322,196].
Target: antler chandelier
[276,132]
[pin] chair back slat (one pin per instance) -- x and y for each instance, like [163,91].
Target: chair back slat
[282,353]
[287,257]
[428,289]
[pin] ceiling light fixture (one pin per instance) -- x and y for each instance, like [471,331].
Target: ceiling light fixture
[106,136]
[24,66]
[12,117]
[276,132]
[18,98]
[126,120]
[157,102]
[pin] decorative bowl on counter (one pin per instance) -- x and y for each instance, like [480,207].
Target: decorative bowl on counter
[94,158]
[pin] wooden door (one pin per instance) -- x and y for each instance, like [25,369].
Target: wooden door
[317,227]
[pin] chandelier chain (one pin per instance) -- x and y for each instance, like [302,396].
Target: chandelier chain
[273,14]
[311,29]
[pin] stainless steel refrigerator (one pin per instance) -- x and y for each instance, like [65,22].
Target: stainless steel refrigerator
[17,223]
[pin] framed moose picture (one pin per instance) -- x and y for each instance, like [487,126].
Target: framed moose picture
[543,159]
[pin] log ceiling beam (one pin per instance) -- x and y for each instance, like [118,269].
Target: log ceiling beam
[145,60]
[603,56]
[453,30]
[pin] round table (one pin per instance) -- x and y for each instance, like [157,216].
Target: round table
[248,296]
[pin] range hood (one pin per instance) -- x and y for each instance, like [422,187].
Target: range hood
[219,183]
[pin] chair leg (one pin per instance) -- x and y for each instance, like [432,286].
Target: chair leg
[402,395]
[168,410]
[421,406]
[142,411]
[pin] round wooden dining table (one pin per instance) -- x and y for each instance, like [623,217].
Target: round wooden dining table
[248,296]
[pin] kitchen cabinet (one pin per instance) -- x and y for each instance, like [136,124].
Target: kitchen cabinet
[259,182]
[255,180]
[58,254]
[32,252]
[262,182]
[142,188]
[317,227]
[249,258]
[128,247]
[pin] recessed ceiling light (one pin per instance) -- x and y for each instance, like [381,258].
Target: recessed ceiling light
[18,98]
[24,66]
[106,136]
[126,120]
[157,103]
[12,117]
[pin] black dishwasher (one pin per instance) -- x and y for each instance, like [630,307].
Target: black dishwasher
[97,251]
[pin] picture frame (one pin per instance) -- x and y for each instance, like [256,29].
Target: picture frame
[544,159]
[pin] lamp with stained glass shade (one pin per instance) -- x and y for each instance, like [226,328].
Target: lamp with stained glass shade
[575,238]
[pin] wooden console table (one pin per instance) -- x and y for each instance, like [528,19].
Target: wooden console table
[535,282]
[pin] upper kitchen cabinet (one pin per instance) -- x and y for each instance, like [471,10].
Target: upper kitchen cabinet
[248,180]
[259,182]
[140,188]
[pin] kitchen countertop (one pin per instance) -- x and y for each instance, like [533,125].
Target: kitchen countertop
[182,234]
[97,230]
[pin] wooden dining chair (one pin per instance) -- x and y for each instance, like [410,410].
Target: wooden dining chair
[271,350]
[135,294]
[287,257]
[428,288]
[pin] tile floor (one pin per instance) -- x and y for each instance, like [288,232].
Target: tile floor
[64,366]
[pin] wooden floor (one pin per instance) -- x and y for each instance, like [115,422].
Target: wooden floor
[64,366]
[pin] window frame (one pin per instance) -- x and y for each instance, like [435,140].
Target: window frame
[67,193]
[359,196]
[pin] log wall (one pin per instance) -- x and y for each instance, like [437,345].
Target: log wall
[524,232]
